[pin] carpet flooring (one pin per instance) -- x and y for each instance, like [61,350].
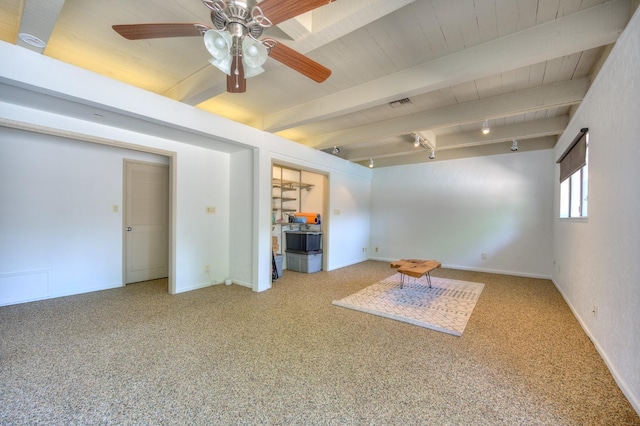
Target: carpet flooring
[445,305]
[227,355]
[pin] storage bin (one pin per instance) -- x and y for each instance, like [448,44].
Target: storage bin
[305,261]
[279,259]
[303,241]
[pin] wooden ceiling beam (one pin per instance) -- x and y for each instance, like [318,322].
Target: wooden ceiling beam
[521,131]
[38,19]
[534,144]
[522,101]
[593,27]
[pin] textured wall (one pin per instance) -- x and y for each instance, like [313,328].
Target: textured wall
[597,266]
[454,211]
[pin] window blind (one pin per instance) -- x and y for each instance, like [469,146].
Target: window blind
[575,156]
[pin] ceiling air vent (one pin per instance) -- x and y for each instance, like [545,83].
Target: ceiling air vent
[396,104]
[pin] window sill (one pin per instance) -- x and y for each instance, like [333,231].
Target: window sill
[575,219]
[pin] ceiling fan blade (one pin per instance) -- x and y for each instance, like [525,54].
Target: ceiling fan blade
[281,10]
[145,31]
[299,62]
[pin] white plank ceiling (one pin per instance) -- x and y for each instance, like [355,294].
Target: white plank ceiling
[522,65]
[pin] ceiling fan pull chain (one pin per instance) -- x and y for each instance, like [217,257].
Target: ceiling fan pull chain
[236,72]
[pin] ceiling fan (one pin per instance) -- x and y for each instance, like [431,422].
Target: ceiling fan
[234,43]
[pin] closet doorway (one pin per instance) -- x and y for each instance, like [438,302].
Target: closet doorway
[298,194]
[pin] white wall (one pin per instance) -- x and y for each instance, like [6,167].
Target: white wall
[40,94]
[597,259]
[60,234]
[456,210]
[202,180]
[313,200]
[349,216]
[241,219]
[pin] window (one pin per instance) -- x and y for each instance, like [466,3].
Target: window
[574,177]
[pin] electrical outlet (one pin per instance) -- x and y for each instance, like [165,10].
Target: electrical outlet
[115,208]
[483,256]
[211,209]
[595,311]
[207,268]
[376,249]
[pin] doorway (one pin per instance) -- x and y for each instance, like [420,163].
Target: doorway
[297,193]
[146,221]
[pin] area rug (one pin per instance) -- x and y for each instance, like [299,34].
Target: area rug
[445,307]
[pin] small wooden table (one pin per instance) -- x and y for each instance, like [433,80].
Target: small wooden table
[415,268]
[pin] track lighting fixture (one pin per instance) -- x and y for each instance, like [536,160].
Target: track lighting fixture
[485,127]
[419,141]
[514,145]
[371,163]
[336,150]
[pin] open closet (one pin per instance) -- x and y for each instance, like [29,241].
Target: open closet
[297,231]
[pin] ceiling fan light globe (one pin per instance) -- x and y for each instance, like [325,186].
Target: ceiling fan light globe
[252,71]
[223,65]
[254,53]
[218,44]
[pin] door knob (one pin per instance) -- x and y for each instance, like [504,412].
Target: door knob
[129,228]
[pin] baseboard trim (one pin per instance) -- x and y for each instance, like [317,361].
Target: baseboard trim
[616,376]
[474,269]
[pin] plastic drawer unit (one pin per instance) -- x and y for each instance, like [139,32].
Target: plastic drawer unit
[304,261]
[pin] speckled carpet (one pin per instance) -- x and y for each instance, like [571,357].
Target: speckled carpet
[444,306]
[225,355]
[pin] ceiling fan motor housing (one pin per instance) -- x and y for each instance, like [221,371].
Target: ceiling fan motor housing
[237,18]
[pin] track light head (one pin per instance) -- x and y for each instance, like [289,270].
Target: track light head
[371,163]
[485,127]
[432,155]
[514,145]
[416,141]
[336,150]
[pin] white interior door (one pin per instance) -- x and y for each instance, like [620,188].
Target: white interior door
[146,213]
